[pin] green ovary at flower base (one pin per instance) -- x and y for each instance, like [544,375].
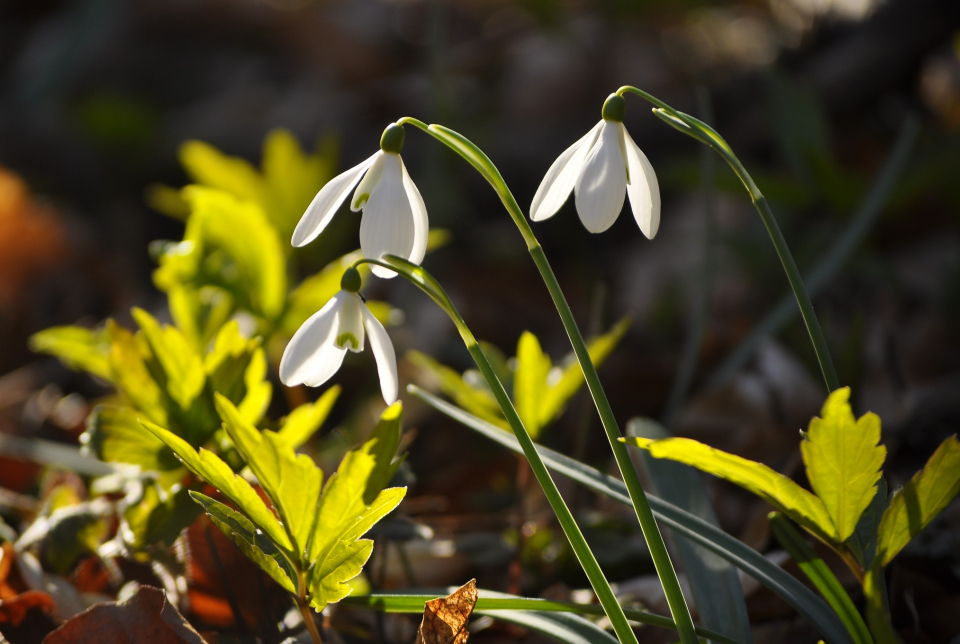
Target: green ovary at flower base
[394,215]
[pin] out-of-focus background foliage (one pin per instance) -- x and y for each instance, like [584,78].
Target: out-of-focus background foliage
[96,97]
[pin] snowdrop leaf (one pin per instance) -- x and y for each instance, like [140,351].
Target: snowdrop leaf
[214,471]
[241,230]
[291,481]
[184,371]
[115,435]
[924,496]
[251,542]
[352,501]
[77,347]
[571,378]
[304,421]
[843,460]
[773,487]
[479,402]
[530,382]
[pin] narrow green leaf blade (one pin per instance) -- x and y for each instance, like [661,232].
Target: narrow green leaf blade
[492,602]
[791,590]
[843,460]
[773,487]
[920,500]
[714,582]
[822,577]
[214,471]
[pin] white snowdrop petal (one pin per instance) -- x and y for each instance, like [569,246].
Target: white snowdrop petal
[602,185]
[643,188]
[421,225]
[387,227]
[368,183]
[324,206]
[312,356]
[562,177]
[385,355]
[350,325]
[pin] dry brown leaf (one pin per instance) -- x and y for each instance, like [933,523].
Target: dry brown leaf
[445,619]
[145,618]
[26,618]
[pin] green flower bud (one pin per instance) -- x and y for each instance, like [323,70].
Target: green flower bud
[614,108]
[392,139]
[351,280]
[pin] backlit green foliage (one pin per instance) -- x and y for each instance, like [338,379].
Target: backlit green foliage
[540,389]
[313,545]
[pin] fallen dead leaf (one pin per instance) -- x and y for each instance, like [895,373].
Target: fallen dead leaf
[27,618]
[445,618]
[145,618]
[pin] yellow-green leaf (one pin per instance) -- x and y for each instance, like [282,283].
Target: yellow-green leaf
[214,471]
[254,545]
[185,376]
[352,501]
[208,166]
[530,382]
[775,488]
[843,460]
[292,178]
[128,355]
[77,347]
[920,500]
[304,421]
[479,402]
[115,435]
[571,378]
[241,229]
[291,481]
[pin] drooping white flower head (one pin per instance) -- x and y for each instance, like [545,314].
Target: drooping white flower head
[394,216]
[600,168]
[317,349]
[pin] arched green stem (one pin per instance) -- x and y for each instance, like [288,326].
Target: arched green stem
[651,532]
[422,279]
[708,136]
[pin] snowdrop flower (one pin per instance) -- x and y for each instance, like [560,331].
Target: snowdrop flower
[394,216]
[600,168]
[317,349]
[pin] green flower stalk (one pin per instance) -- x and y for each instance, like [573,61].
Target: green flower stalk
[658,550]
[708,136]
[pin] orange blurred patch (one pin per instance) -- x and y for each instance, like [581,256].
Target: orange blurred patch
[31,237]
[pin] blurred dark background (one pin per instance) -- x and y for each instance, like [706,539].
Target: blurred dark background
[96,96]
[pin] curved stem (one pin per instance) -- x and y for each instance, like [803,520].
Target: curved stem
[648,524]
[422,279]
[707,135]
[306,612]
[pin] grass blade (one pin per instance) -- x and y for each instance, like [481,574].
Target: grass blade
[801,598]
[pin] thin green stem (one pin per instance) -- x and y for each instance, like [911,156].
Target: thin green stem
[878,606]
[707,135]
[421,278]
[648,525]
